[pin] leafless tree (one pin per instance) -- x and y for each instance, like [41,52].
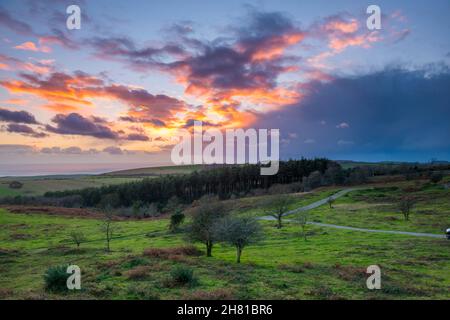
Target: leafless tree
[302,220]
[108,227]
[77,237]
[330,202]
[405,206]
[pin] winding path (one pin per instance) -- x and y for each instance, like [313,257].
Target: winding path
[336,196]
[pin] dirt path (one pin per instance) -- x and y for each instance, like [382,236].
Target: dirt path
[326,225]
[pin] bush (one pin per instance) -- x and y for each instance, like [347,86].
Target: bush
[56,278]
[138,273]
[15,185]
[134,262]
[436,177]
[163,253]
[77,237]
[176,220]
[183,275]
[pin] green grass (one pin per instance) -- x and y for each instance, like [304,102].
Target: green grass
[39,185]
[157,171]
[6,191]
[253,206]
[34,186]
[330,265]
[377,208]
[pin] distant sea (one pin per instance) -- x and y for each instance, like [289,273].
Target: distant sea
[68,168]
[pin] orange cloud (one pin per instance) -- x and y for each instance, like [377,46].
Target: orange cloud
[39,66]
[67,93]
[16,101]
[31,46]
[343,26]
[275,46]
[365,41]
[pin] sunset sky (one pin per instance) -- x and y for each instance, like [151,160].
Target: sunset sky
[114,93]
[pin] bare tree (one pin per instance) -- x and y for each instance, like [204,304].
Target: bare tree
[330,202]
[405,206]
[238,232]
[204,216]
[302,220]
[77,237]
[108,227]
[277,206]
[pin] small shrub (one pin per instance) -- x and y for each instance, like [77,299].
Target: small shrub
[163,253]
[56,278]
[134,262]
[292,268]
[77,237]
[350,273]
[217,294]
[140,292]
[137,273]
[100,290]
[182,275]
[176,220]
[15,185]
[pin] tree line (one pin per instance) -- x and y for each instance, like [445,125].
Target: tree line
[223,182]
[151,196]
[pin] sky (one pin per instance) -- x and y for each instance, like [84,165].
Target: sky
[114,93]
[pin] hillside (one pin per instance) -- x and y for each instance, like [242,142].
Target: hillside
[154,171]
[331,264]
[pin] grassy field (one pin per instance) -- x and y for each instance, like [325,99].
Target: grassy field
[156,171]
[377,208]
[331,264]
[34,186]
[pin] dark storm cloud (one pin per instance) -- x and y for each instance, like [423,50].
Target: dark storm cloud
[391,111]
[250,59]
[17,116]
[125,48]
[137,137]
[113,150]
[155,122]
[144,104]
[24,130]
[75,124]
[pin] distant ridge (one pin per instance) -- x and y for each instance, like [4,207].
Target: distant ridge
[155,171]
